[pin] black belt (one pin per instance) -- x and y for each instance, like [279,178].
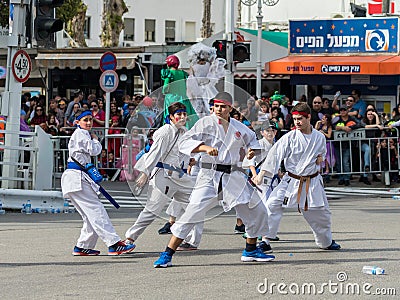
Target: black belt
[220,167]
[227,169]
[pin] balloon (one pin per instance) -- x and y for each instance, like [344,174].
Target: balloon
[147,101]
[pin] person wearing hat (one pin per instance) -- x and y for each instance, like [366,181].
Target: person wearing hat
[347,124]
[224,142]
[174,89]
[302,150]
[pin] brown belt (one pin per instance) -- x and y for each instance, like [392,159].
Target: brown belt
[302,179]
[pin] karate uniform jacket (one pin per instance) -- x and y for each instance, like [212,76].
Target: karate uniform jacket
[232,147]
[81,146]
[300,158]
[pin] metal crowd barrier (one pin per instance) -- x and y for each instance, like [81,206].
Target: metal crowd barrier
[355,153]
[118,155]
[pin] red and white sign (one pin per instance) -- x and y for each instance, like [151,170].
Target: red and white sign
[109,81]
[21,66]
[375,7]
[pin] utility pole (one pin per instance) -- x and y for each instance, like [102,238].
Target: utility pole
[229,36]
[385,6]
[11,100]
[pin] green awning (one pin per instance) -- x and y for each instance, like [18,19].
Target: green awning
[276,37]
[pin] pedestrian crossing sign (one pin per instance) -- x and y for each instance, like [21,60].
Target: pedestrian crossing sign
[109,81]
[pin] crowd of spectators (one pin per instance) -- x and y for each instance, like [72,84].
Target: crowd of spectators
[378,150]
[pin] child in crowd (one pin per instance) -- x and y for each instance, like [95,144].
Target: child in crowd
[79,187]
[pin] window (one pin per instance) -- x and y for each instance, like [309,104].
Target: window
[169,31]
[150,30]
[129,29]
[190,35]
[86,28]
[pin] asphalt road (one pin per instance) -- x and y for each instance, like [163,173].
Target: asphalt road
[36,260]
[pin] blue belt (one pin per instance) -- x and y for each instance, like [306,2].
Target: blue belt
[73,165]
[181,171]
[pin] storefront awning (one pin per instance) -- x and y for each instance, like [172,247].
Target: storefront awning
[82,60]
[335,65]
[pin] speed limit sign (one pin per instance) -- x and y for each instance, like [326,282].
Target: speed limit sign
[21,66]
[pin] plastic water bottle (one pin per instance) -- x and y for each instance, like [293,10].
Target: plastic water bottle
[396,197]
[2,211]
[66,206]
[372,270]
[28,207]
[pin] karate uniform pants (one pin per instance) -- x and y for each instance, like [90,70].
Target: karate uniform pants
[96,222]
[319,219]
[204,198]
[161,190]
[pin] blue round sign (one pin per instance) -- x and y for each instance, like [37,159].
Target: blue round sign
[108,61]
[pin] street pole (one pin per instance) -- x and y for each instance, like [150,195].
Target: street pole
[259,33]
[12,96]
[229,28]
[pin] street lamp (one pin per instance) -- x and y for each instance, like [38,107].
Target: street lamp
[259,27]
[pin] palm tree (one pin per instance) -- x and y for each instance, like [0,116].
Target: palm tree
[112,23]
[73,14]
[4,13]
[206,30]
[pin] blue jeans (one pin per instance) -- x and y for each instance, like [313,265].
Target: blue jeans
[367,156]
[343,162]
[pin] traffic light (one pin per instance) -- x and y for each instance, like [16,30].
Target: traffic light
[241,52]
[220,45]
[45,23]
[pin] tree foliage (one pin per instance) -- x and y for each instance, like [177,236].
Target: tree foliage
[73,14]
[4,12]
[112,23]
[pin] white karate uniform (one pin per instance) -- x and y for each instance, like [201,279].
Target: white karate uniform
[300,153]
[165,184]
[82,191]
[236,191]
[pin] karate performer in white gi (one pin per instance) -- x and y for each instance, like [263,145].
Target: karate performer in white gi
[223,139]
[82,191]
[302,149]
[162,164]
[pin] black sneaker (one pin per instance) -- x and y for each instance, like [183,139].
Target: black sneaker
[347,182]
[275,239]
[266,248]
[341,182]
[166,229]
[240,229]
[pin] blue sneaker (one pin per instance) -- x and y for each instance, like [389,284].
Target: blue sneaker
[256,255]
[84,252]
[333,246]
[164,261]
[120,248]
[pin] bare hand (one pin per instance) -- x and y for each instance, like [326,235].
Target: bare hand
[250,153]
[94,136]
[141,180]
[212,151]
[257,179]
[319,160]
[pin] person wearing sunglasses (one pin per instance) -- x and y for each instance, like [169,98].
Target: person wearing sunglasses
[359,107]
[99,116]
[39,116]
